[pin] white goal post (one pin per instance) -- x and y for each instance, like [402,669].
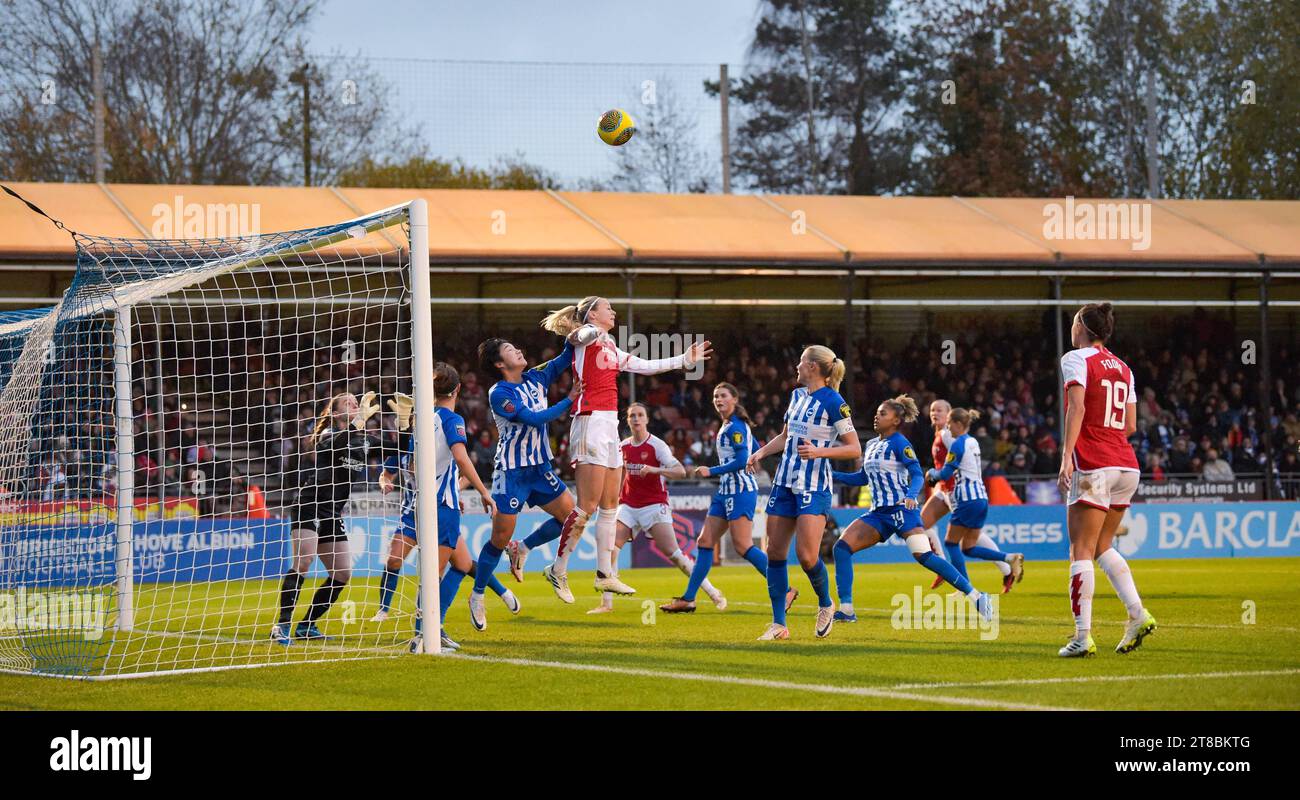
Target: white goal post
[158,425]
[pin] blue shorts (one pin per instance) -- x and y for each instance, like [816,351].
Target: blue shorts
[970,513]
[783,502]
[535,486]
[448,526]
[890,520]
[733,506]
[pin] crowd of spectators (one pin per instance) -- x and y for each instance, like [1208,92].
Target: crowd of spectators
[1197,412]
[258,398]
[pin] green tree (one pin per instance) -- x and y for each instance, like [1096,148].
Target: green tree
[819,99]
[1000,105]
[424,172]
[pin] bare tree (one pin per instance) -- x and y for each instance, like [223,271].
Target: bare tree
[195,91]
[665,155]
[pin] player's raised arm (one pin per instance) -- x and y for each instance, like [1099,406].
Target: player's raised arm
[548,373]
[700,351]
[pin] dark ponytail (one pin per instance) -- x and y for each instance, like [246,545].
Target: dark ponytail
[740,410]
[446,379]
[489,353]
[1099,319]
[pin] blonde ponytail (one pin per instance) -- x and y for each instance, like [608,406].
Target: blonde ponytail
[831,366]
[964,416]
[565,321]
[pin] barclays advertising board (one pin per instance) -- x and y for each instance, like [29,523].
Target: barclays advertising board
[1166,530]
[241,549]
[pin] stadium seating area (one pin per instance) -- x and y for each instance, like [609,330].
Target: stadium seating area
[213,436]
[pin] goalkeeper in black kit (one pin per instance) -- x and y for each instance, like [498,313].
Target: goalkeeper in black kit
[341,447]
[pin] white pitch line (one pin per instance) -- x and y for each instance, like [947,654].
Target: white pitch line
[820,688]
[1098,679]
[1004,618]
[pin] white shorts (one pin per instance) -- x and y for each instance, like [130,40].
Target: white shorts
[938,491]
[645,517]
[1103,488]
[593,439]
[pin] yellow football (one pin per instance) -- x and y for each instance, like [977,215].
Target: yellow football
[615,127]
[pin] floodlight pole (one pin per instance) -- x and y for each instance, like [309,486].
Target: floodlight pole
[724,97]
[1060,351]
[1266,389]
[303,75]
[424,428]
[124,566]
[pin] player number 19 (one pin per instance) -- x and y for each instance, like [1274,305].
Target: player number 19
[1116,397]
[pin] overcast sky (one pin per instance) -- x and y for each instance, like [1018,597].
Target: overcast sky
[562,64]
[652,31]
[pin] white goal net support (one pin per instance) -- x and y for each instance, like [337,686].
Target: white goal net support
[155,430]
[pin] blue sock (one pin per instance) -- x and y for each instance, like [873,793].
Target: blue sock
[495,585]
[956,558]
[946,571]
[985,554]
[844,571]
[447,588]
[703,563]
[548,531]
[488,558]
[758,558]
[778,583]
[386,588]
[821,583]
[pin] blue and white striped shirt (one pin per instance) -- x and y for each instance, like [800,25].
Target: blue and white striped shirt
[403,465]
[964,461]
[735,445]
[819,418]
[889,469]
[521,414]
[448,429]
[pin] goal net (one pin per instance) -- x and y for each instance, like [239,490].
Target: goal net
[155,432]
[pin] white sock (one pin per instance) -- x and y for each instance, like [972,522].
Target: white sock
[523,549]
[936,544]
[606,518]
[684,562]
[607,600]
[1121,577]
[846,608]
[987,541]
[1082,583]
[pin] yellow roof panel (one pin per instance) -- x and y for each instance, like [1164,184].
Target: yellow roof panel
[703,227]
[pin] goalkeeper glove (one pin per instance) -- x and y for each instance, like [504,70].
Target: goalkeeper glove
[367,410]
[403,405]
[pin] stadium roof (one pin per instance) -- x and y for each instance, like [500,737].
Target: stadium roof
[479,226]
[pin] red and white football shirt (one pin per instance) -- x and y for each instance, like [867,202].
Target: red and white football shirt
[939,452]
[639,489]
[597,361]
[1108,398]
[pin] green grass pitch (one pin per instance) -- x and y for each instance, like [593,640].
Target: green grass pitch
[1205,654]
